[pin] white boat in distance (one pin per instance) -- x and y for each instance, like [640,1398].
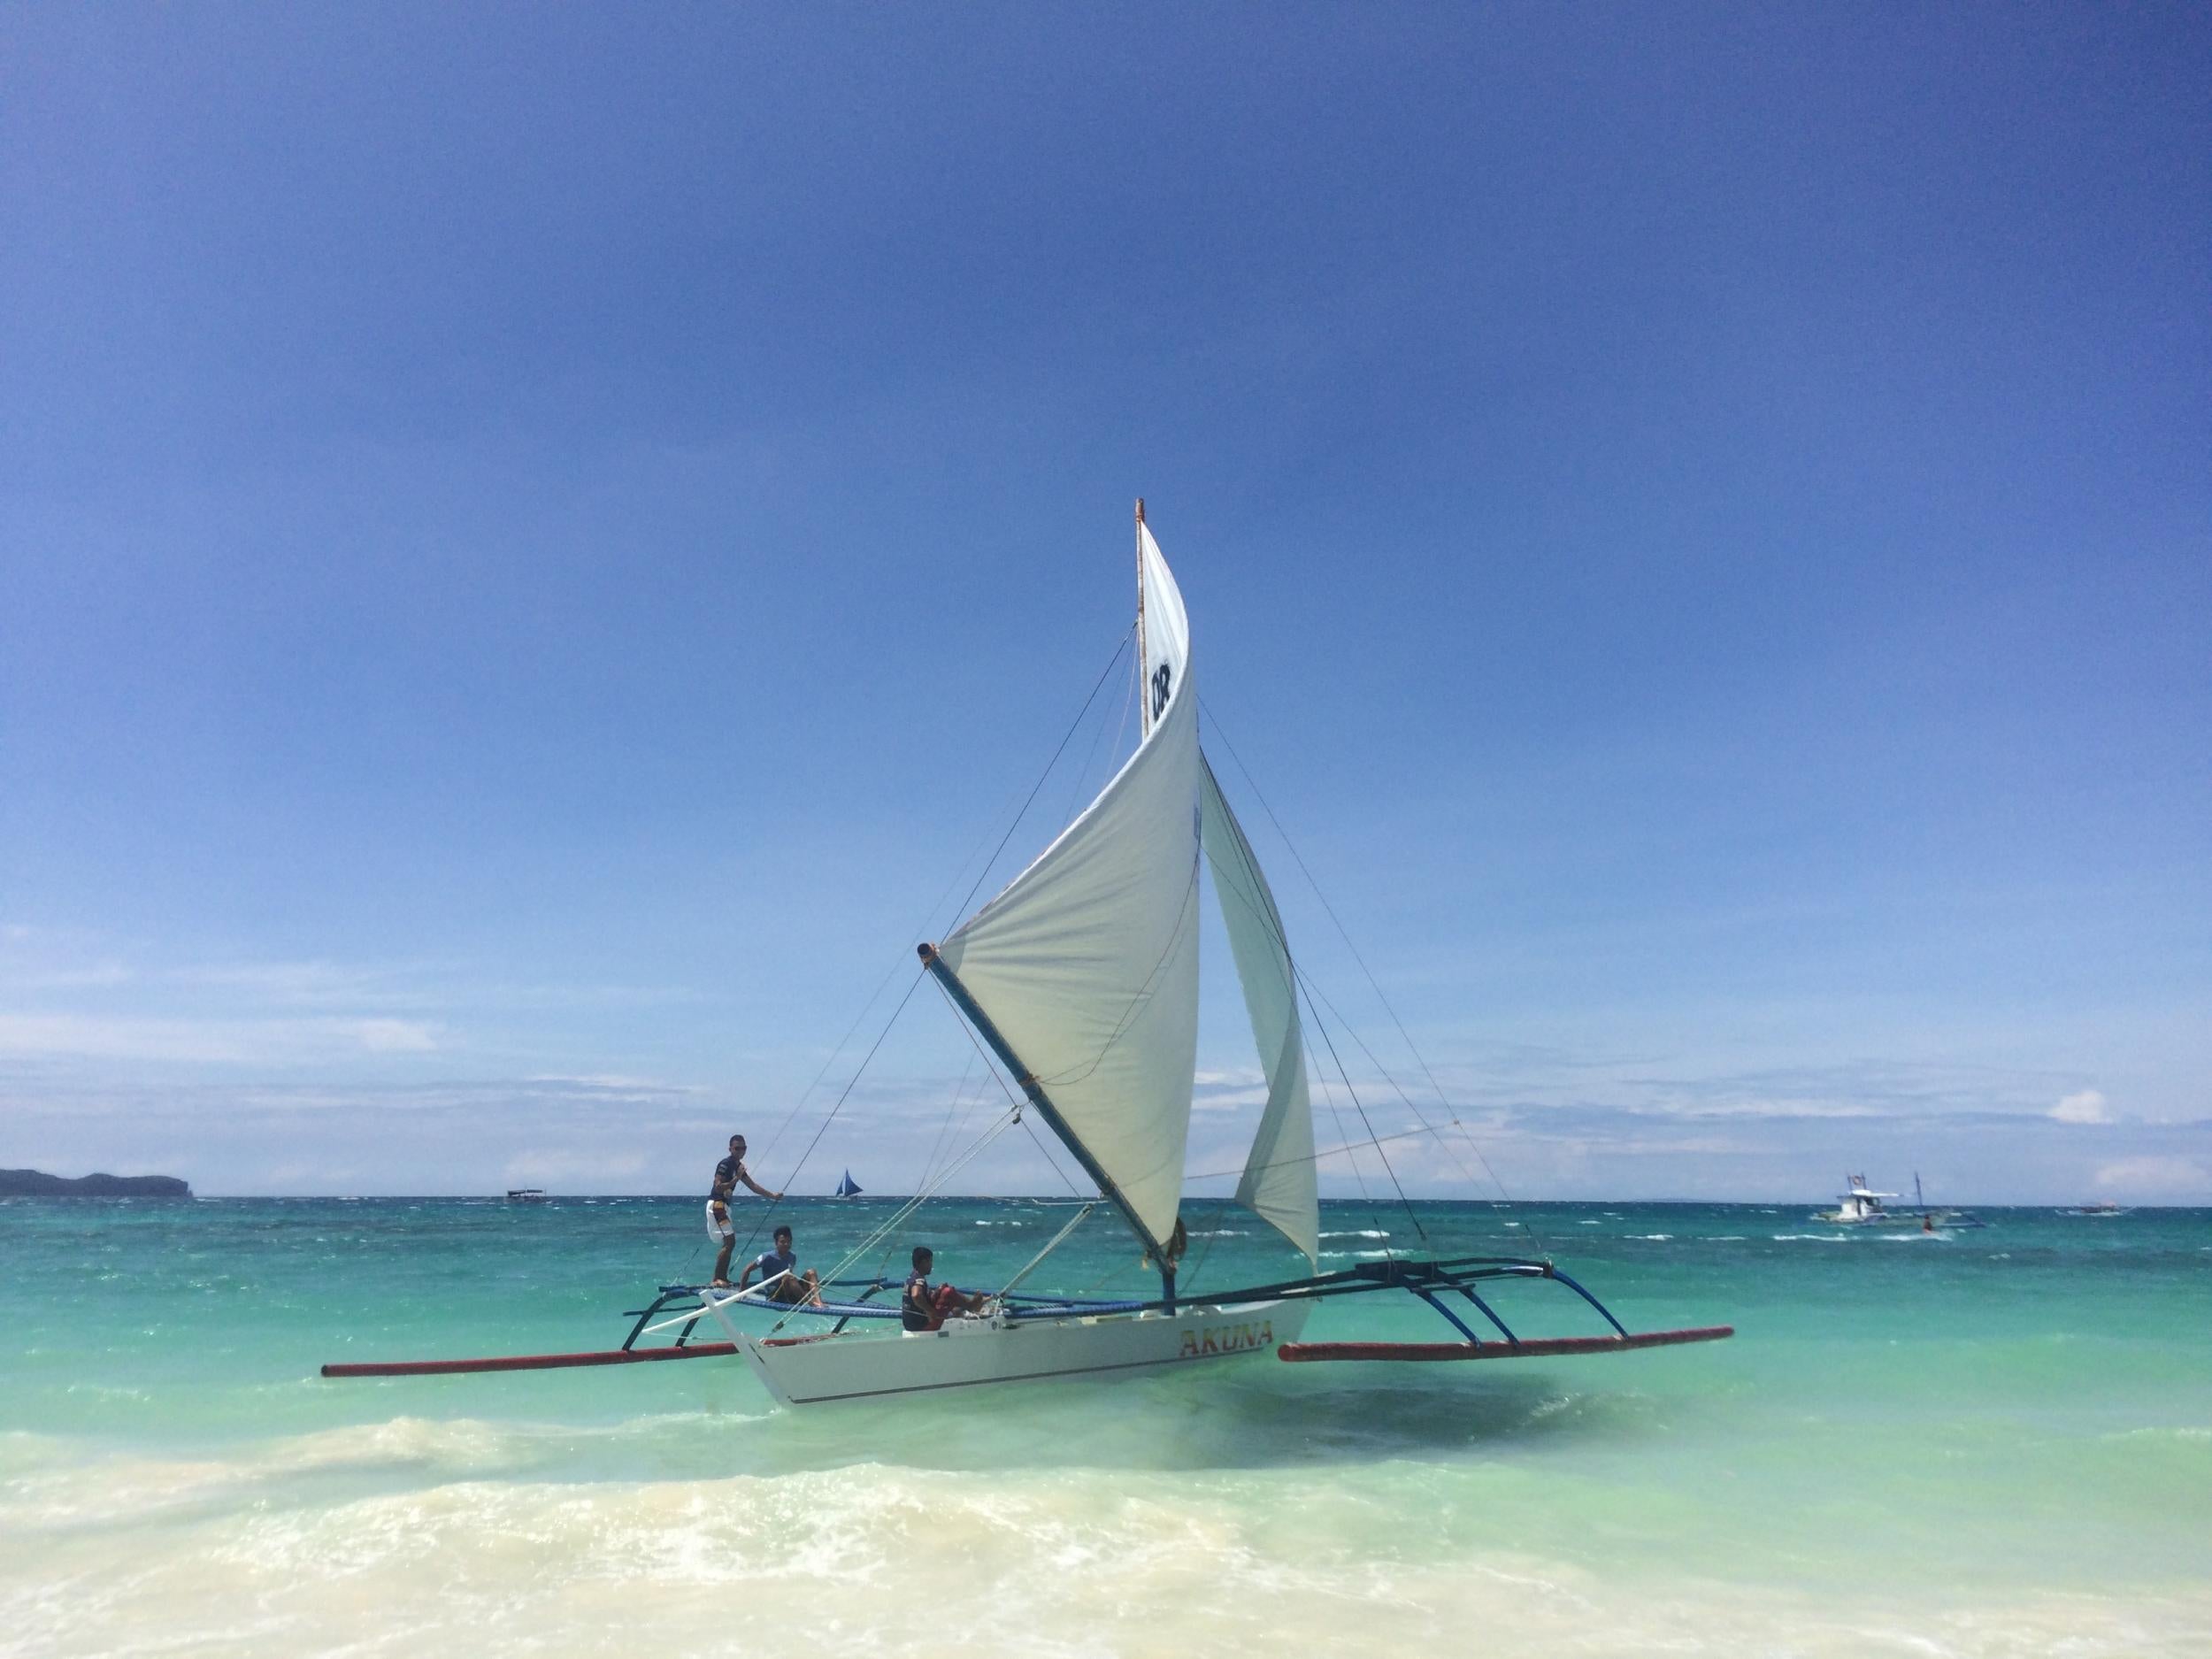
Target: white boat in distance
[1862,1206]
[1081,978]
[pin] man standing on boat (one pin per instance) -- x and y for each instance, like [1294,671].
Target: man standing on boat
[720,1228]
[922,1309]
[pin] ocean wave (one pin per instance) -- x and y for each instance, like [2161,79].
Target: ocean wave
[1358,1232]
[52,1484]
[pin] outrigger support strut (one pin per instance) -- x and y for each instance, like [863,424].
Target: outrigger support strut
[1456,1323]
[1552,1273]
[1488,1312]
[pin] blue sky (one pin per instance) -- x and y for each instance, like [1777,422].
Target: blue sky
[534,544]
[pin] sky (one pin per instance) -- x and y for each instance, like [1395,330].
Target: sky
[540,549]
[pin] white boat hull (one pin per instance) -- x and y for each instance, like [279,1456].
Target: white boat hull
[970,1353]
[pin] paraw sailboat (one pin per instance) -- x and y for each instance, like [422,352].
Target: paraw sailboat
[1081,979]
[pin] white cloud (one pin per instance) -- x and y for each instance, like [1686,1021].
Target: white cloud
[92,1036]
[588,1170]
[395,1036]
[2086,1106]
[2155,1177]
[182,1042]
[614,1083]
[1228,1090]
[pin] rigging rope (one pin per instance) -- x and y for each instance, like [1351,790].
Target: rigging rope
[1029,799]
[1128,702]
[1373,984]
[945,1127]
[770,1209]
[1348,1148]
[769,1147]
[890,1224]
[1420,1231]
[783,1128]
[1452,1113]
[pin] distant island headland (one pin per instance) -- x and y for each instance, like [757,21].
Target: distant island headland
[38,1183]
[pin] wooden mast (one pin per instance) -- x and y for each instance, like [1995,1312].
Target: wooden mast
[1144,676]
[1163,1253]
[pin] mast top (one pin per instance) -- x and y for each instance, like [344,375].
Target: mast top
[1139,509]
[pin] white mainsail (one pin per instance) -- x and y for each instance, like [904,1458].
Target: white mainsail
[1278,1182]
[1088,962]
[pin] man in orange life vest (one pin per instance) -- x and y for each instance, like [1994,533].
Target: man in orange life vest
[922,1309]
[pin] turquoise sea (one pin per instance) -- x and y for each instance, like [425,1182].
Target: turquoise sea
[1991,1443]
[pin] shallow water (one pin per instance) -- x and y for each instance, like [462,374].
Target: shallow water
[1992,1442]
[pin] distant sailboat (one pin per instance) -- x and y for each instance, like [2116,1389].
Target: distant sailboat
[849,1187]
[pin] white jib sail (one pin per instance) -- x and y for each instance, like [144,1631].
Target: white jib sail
[1088,963]
[1278,1182]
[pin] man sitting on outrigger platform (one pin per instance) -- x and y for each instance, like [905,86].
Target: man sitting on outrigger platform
[779,1276]
[922,1309]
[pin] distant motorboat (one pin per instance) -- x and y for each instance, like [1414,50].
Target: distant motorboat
[2094,1209]
[1860,1206]
[526,1194]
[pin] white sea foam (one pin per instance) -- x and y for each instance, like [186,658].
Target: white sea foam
[879,1560]
[1358,1232]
